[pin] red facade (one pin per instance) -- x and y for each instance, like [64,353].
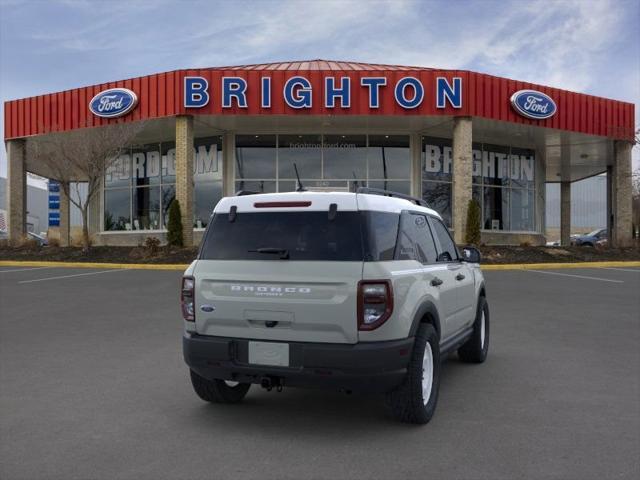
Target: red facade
[161,95]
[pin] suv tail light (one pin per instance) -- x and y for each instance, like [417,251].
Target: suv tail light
[375,303]
[187,298]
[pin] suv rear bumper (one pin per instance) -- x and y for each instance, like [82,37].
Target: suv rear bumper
[362,367]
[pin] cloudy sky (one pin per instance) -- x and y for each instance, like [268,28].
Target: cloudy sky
[582,45]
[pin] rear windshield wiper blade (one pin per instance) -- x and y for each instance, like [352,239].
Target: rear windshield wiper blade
[283,252]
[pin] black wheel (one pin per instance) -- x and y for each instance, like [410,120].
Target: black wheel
[476,348]
[218,391]
[415,400]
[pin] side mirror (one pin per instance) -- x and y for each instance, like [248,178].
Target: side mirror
[471,255]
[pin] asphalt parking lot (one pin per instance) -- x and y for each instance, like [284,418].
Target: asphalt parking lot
[93,386]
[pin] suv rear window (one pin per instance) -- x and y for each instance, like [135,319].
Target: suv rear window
[350,236]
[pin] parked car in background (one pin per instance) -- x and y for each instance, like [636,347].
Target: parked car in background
[590,239]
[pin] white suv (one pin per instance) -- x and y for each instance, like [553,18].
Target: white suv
[357,291]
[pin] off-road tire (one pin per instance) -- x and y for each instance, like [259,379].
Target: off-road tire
[475,349]
[406,402]
[217,391]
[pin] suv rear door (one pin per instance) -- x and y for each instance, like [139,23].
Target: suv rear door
[460,275]
[280,275]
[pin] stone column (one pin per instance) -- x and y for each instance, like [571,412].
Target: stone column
[415,145]
[462,175]
[65,218]
[565,213]
[184,175]
[16,191]
[622,192]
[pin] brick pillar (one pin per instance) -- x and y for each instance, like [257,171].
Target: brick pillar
[462,175]
[621,184]
[565,213]
[184,174]
[228,164]
[16,191]
[416,164]
[65,219]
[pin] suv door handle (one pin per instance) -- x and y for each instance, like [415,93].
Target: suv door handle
[436,282]
[460,277]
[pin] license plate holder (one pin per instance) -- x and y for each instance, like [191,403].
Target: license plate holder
[269,353]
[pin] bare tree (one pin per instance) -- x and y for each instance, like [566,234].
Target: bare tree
[82,156]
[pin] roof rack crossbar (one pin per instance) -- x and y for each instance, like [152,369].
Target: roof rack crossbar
[389,193]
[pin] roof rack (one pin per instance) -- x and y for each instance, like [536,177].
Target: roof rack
[389,193]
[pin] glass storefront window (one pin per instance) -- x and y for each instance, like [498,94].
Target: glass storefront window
[117,215]
[261,186]
[522,209]
[255,156]
[145,165]
[303,150]
[207,178]
[400,186]
[496,208]
[389,156]
[118,174]
[146,208]
[438,196]
[168,194]
[344,156]
[207,195]
[168,162]
[522,167]
[495,165]
[436,159]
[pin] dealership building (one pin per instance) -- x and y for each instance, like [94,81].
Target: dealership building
[447,136]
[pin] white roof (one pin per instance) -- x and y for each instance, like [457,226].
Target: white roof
[319,201]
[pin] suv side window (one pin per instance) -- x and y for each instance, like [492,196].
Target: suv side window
[414,239]
[448,250]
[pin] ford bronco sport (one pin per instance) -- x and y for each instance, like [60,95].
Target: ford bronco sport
[357,291]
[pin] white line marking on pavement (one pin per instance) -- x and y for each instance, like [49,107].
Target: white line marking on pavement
[637,270]
[24,269]
[577,276]
[69,276]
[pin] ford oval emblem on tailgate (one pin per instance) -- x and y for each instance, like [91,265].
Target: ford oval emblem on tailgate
[207,308]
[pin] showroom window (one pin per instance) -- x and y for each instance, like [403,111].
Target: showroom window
[140,185]
[503,183]
[265,163]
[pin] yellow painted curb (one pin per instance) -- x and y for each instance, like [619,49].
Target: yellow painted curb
[550,266]
[166,266]
[130,266]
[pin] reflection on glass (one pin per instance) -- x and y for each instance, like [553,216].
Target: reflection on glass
[522,167]
[256,156]
[437,163]
[259,186]
[146,164]
[116,209]
[118,174]
[207,161]
[399,186]
[303,150]
[389,156]
[438,197]
[496,208]
[146,208]
[344,156]
[168,194]
[168,162]
[207,195]
[522,209]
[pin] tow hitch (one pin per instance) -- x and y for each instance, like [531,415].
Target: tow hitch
[269,383]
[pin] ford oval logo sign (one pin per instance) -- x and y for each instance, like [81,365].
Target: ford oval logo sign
[533,104]
[114,102]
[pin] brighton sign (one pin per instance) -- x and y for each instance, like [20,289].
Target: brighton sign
[408,92]
[533,104]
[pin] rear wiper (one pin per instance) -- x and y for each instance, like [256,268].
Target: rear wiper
[283,252]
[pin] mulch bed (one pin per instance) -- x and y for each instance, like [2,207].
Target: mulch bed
[490,254]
